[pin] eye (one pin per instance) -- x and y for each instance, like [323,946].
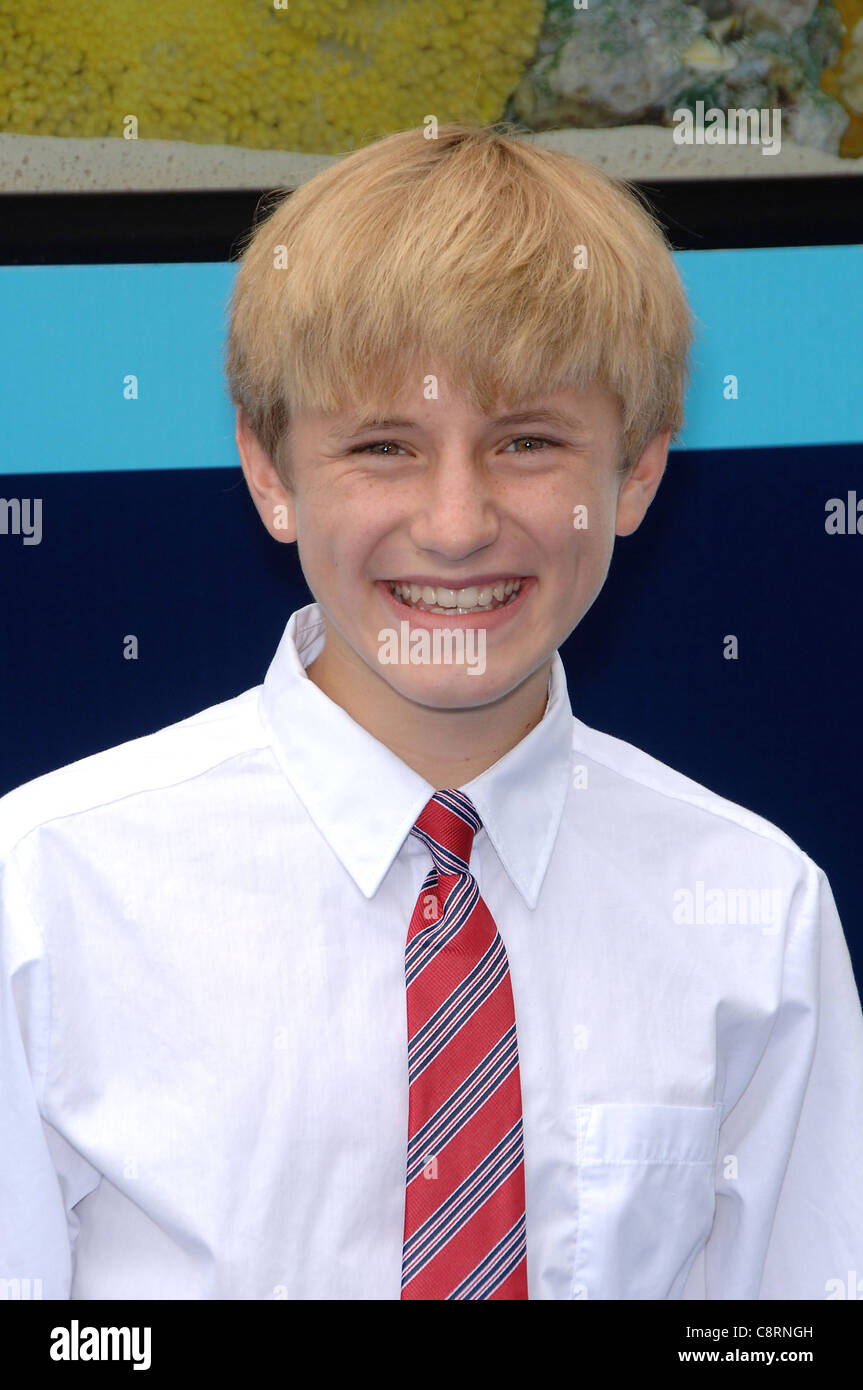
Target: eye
[536,438]
[375,444]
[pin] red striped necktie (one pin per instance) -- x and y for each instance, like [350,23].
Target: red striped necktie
[464,1203]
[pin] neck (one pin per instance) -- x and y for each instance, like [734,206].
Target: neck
[447,747]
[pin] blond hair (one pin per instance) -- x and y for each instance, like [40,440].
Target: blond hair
[458,250]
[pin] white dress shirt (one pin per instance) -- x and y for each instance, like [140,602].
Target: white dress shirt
[204,1037]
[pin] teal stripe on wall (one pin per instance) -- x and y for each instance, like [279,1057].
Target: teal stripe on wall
[786,323]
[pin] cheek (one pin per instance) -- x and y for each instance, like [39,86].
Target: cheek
[577,529]
[592,519]
[575,509]
[338,534]
[582,546]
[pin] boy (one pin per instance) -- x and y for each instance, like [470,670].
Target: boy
[379,981]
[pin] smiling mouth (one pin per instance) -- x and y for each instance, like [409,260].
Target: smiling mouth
[439,599]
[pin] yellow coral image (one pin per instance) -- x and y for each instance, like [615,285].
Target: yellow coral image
[319,76]
[835,81]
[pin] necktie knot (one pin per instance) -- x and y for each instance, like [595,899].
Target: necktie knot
[447,825]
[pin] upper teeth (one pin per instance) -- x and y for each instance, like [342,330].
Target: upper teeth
[462,599]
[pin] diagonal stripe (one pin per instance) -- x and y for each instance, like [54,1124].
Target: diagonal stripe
[460,1008]
[487,962]
[492,1065]
[472,1203]
[446,861]
[464,1102]
[497,1265]
[425,944]
[460,806]
[464,1236]
[466,1191]
[461,1204]
[519,1257]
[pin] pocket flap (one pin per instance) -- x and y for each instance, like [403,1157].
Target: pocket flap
[617,1133]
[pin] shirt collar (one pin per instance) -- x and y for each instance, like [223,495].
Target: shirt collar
[365,800]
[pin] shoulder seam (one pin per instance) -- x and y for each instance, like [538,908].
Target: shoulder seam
[137,791]
[785,840]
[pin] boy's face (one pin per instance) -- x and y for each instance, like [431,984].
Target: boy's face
[445,498]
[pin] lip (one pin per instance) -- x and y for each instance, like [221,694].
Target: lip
[479,581]
[490,618]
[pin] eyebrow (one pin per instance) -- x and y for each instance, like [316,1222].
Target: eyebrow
[359,423]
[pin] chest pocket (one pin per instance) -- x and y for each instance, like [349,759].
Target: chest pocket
[646,1184]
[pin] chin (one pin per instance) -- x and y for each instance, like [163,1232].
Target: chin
[460,691]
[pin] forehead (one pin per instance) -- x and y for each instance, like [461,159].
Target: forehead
[569,409]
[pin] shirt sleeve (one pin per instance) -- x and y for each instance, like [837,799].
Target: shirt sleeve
[789,1195]
[41,1176]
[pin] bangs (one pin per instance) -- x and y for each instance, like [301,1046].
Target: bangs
[525,271]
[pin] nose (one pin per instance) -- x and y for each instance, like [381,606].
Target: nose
[456,510]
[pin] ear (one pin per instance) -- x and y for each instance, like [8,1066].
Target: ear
[638,489]
[273,499]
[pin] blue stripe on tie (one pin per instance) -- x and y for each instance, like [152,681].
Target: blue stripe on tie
[452,1215]
[463,890]
[463,1203]
[424,946]
[463,1104]
[422,1058]
[497,1266]
[488,961]
[446,861]
[506,1270]
[497,1057]
[458,1009]
[461,806]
